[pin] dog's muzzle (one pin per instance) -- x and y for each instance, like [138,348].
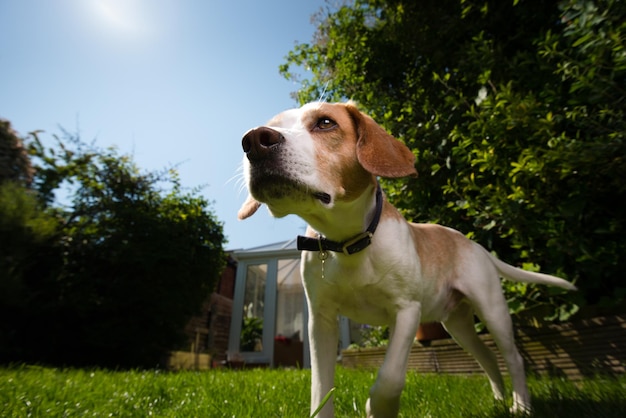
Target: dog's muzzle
[259,143]
[270,176]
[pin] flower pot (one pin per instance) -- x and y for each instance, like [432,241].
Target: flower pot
[431,331]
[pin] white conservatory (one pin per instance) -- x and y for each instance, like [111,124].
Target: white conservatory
[268,324]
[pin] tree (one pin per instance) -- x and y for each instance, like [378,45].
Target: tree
[26,236]
[515,112]
[132,261]
[14,162]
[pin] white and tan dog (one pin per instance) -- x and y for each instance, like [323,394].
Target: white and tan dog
[364,261]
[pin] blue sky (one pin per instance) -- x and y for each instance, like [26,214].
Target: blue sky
[168,81]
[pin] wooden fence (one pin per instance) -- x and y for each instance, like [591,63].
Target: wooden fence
[187,360]
[573,350]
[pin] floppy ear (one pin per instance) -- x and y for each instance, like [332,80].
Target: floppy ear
[378,152]
[248,208]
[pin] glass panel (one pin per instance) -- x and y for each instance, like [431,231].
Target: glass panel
[288,346]
[253,307]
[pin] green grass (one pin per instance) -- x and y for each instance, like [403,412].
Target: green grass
[47,392]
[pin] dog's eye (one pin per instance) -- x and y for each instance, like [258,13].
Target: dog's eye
[325,124]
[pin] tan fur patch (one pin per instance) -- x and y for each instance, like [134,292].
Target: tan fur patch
[439,248]
[336,152]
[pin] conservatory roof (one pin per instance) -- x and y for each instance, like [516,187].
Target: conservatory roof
[278,249]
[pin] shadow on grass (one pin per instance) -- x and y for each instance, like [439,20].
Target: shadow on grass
[574,408]
[580,408]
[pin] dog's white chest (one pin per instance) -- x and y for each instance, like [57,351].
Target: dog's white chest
[364,290]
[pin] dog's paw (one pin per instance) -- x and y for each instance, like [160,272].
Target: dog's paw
[521,409]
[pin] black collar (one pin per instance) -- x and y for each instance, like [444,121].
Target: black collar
[350,246]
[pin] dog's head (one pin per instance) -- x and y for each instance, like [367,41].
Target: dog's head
[316,156]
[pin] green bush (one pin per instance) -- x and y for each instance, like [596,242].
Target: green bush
[120,271]
[515,111]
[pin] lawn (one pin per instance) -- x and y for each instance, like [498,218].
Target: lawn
[48,392]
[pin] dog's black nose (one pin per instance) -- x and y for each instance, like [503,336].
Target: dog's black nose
[257,143]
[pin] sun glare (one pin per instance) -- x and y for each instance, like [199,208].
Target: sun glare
[108,12]
[122,16]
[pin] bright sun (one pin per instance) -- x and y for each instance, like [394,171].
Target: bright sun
[122,15]
[109,12]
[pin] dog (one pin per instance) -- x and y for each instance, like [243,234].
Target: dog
[363,260]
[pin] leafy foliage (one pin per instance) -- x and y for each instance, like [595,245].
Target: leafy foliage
[124,269]
[25,232]
[516,114]
[372,336]
[14,162]
[251,332]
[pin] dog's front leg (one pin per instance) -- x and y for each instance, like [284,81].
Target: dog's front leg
[324,333]
[384,398]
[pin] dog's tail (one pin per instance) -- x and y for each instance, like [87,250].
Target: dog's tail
[518,275]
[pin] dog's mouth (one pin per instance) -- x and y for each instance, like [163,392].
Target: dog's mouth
[323,197]
[270,188]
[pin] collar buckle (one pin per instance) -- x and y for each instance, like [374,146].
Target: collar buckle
[357,243]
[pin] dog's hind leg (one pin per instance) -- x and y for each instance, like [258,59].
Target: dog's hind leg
[460,325]
[494,312]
